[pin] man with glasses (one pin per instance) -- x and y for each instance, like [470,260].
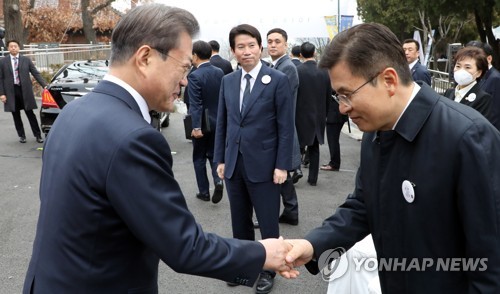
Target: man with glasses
[110,205]
[428,185]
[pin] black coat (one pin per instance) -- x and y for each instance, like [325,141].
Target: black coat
[26,67]
[312,102]
[481,102]
[449,153]
[490,83]
[221,63]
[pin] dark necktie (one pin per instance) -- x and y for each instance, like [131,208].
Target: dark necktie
[246,93]
[16,72]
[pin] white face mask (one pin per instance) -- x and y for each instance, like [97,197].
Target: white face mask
[463,77]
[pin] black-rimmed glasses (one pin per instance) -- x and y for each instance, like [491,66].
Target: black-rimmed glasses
[346,99]
[186,67]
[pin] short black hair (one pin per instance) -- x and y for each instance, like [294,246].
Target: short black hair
[307,49]
[215,45]
[412,41]
[296,51]
[279,31]
[488,50]
[202,49]
[244,29]
[13,41]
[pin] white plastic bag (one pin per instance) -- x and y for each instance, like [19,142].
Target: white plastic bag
[180,107]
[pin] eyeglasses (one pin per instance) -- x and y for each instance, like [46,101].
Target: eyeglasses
[186,67]
[346,99]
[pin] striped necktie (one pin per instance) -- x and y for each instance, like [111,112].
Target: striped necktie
[246,93]
[16,71]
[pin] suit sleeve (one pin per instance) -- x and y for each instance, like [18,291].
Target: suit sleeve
[221,127]
[343,229]
[195,101]
[143,191]
[478,204]
[36,74]
[285,123]
[2,78]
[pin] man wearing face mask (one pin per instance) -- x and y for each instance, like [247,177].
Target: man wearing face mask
[470,67]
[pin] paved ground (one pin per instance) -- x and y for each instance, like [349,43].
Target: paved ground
[20,171]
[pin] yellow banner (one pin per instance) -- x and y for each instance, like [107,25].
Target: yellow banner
[332,26]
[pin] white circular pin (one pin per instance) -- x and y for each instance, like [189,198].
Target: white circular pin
[408,191]
[266,79]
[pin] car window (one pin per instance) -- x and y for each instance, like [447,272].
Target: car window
[84,70]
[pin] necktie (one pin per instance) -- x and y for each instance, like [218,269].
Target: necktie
[246,93]
[16,72]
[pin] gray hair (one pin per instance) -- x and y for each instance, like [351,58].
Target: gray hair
[156,25]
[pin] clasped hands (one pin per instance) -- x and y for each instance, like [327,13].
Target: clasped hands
[283,256]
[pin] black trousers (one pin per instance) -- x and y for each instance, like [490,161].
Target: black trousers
[16,115]
[289,197]
[333,137]
[313,151]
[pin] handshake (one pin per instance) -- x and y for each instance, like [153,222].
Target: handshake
[283,256]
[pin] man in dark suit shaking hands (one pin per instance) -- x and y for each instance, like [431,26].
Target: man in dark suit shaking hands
[254,139]
[203,91]
[110,205]
[16,90]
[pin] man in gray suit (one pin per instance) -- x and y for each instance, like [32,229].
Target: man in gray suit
[16,90]
[276,46]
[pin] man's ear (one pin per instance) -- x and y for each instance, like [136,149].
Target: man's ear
[391,80]
[142,57]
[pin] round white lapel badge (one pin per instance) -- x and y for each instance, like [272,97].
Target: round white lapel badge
[408,191]
[266,79]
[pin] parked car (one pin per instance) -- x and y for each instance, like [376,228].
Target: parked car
[71,82]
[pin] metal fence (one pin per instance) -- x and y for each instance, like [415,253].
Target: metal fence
[440,81]
[50,56]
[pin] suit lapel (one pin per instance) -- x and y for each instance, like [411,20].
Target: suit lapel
[257,89]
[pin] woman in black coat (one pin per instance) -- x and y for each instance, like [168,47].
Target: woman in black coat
[470,67]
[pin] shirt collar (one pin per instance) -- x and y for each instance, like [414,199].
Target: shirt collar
[462,92]
[411,65]
[276,61]
[254,72]
[416,88]
[143,106]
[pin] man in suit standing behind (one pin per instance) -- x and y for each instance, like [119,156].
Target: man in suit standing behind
[111,207]
[276,47]
[217,60]
[295,54]
[204,86]
[418,71]
[312,98]
[16,89]
[254,140]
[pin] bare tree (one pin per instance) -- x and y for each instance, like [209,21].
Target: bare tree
[13,21]
[88,15]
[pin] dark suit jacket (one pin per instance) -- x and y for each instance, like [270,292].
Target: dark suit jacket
[449,152]
[111,207]
[221,63]
[481,103]
[26,67]
[420,73]
[490,83]
[203,92]
[333,115]
[296,61]
[286,66]
[312,98]
[263,133]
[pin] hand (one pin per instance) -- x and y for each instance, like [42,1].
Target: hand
[196,133]
[3,98]
[220,170]
[279,176]
[276,251]
[301,253]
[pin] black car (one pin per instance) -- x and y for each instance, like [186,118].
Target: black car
[71,82]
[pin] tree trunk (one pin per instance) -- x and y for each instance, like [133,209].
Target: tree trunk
[13,21]
[88,22]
